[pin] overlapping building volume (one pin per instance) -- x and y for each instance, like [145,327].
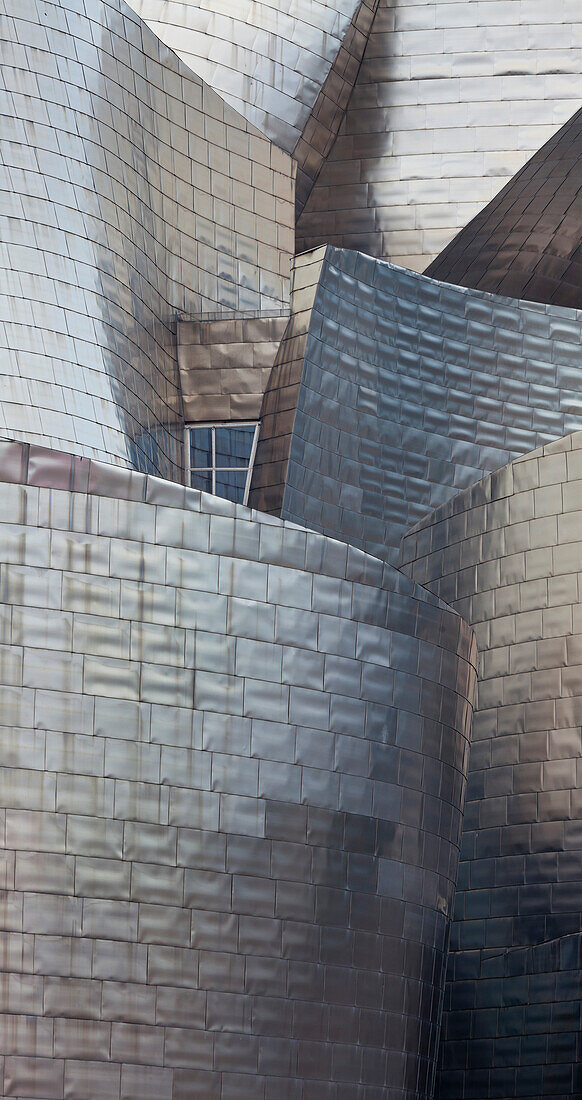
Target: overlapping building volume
[290,550]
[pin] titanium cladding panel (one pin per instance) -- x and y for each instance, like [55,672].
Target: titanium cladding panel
[528,241]
[507,555]
[233,766]
[225,365]
[268,60]
[392,391]
[290,72]
[130,192]
[450,102]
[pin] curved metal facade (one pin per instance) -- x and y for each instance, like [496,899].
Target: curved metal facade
[451,100]
[507,555]
[391,392]
[528,241]
[268,60]
[130,192]
[233,749]
[233,766]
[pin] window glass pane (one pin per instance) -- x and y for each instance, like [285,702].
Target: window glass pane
[231,484]
[200,447]
[201,479]
[234,444]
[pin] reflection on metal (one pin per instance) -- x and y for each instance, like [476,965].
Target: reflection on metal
[507,555]
[528,241]
[450,101]
[231,829]
[391,392]
[282,395]
[130,192]
[220,458]
[225,364]
[288,68]
[233,749]
[328,111]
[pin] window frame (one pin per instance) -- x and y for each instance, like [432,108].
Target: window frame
[213,424]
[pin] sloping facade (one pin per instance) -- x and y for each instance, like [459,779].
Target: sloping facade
[526,242]
[235,741]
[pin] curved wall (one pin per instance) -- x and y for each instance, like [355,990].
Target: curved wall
[392,391]
[451,100]
[268,60]
[233,766]
[507,555]
[131,192]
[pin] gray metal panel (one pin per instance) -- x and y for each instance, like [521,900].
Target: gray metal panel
[131,191]
[507,555]
[270,61]
[229,873]
[526,243]
[451,100]
[392,391]
[327,113]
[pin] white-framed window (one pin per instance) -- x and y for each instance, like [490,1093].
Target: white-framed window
[220,457]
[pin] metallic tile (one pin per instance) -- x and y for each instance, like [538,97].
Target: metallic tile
[225,876]
[447,106]
[514,964]
[374,413]
[139,196]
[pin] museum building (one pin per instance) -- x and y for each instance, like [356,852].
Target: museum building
[290,550]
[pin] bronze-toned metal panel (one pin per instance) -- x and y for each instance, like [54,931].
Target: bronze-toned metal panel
[527,243]
[225,365]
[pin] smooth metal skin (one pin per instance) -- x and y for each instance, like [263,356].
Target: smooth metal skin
[288,68]
[391,392]
[233,767]
[507,555]
[451,100]
[528,241]
[131,191]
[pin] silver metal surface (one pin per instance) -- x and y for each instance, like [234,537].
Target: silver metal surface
[391,392]
[450,101]
[233,766]
[526,242]
[233,750]
[269,60]
[131,192]
[506,554]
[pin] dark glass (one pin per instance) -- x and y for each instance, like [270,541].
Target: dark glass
[233,445]
[201,479]
[231,484]
[200,447]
